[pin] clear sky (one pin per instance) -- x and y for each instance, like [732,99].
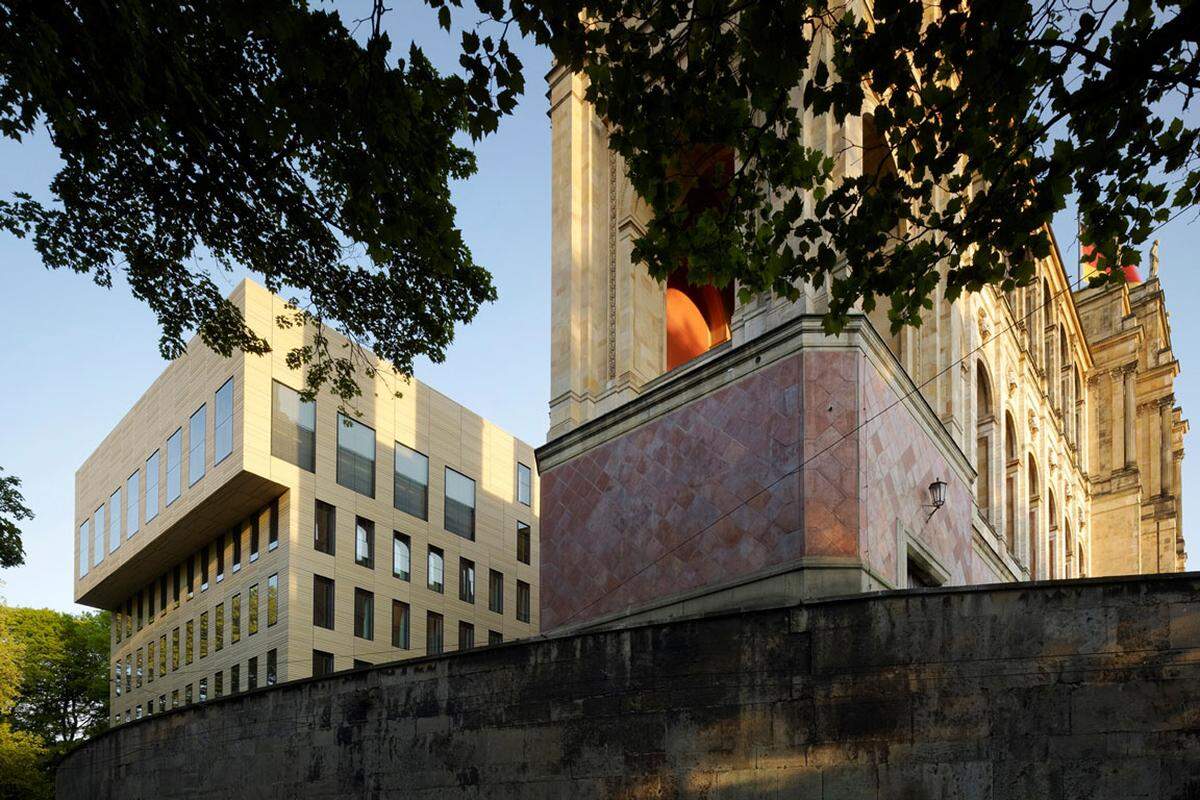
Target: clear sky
[79,356]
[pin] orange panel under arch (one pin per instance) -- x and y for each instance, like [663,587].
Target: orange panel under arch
[697,318]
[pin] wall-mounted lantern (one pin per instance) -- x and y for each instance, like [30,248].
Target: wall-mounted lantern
[937,497]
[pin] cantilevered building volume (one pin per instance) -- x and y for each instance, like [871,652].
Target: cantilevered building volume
[242,536]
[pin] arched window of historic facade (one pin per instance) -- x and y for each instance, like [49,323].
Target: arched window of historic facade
[1012,464]
[1065,368]
[698,316]
[1049,331]
[1052,537]
[984,423]
[1035,534]
[1079,397]
[1033,322]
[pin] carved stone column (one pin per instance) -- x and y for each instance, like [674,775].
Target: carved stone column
[1165,467]
[1130,442]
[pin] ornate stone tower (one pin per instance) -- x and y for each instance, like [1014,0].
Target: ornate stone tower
[1138,452]
[615,329]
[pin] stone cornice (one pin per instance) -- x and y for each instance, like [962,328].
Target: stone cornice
[725,364]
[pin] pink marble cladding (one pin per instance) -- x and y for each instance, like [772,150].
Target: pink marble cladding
[714,490]
[900,460]
[831,452]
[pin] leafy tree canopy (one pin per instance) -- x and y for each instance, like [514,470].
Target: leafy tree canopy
[266,134]
[260,134]
[12,511]
[989,114]
[61,691]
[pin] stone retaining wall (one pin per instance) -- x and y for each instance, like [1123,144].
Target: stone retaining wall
[1082,689]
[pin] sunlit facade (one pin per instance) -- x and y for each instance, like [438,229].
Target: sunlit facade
[1018,401]
[243,536]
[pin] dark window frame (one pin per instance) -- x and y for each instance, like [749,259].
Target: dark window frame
[408,494]
[440,588]
[297,446]
[528,486]
[367,527]
[328,511]
[435,633]
[401,624]
[466,580]
[457,517]
[364,614]
[524,542]
[348,461]
[496,591]
[323,611]
[404,539]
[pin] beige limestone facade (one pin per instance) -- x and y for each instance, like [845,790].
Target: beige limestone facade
[242,537]
[1137,453]
[1013,383]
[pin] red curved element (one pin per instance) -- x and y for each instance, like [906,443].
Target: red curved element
[697,318]
[1093,260]
[687,331]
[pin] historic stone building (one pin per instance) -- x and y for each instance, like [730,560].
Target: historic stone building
[1137,451]
[704,453]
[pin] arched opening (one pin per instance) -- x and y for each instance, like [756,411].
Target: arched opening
[1035,498]
[1082,566]
[983,441]
[1012,463]
[1052,538]
[698,316]
[1064,391]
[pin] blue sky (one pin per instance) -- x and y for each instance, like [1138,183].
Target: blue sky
[79,355]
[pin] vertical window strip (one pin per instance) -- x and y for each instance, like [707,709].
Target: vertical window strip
[223,422]
[152,486]
[197,440]
[174,466]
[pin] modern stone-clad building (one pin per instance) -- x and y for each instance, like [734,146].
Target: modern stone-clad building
[241,536]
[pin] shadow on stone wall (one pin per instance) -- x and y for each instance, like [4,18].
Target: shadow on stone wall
[1064,689]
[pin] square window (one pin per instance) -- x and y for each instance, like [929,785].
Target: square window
[322,663]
